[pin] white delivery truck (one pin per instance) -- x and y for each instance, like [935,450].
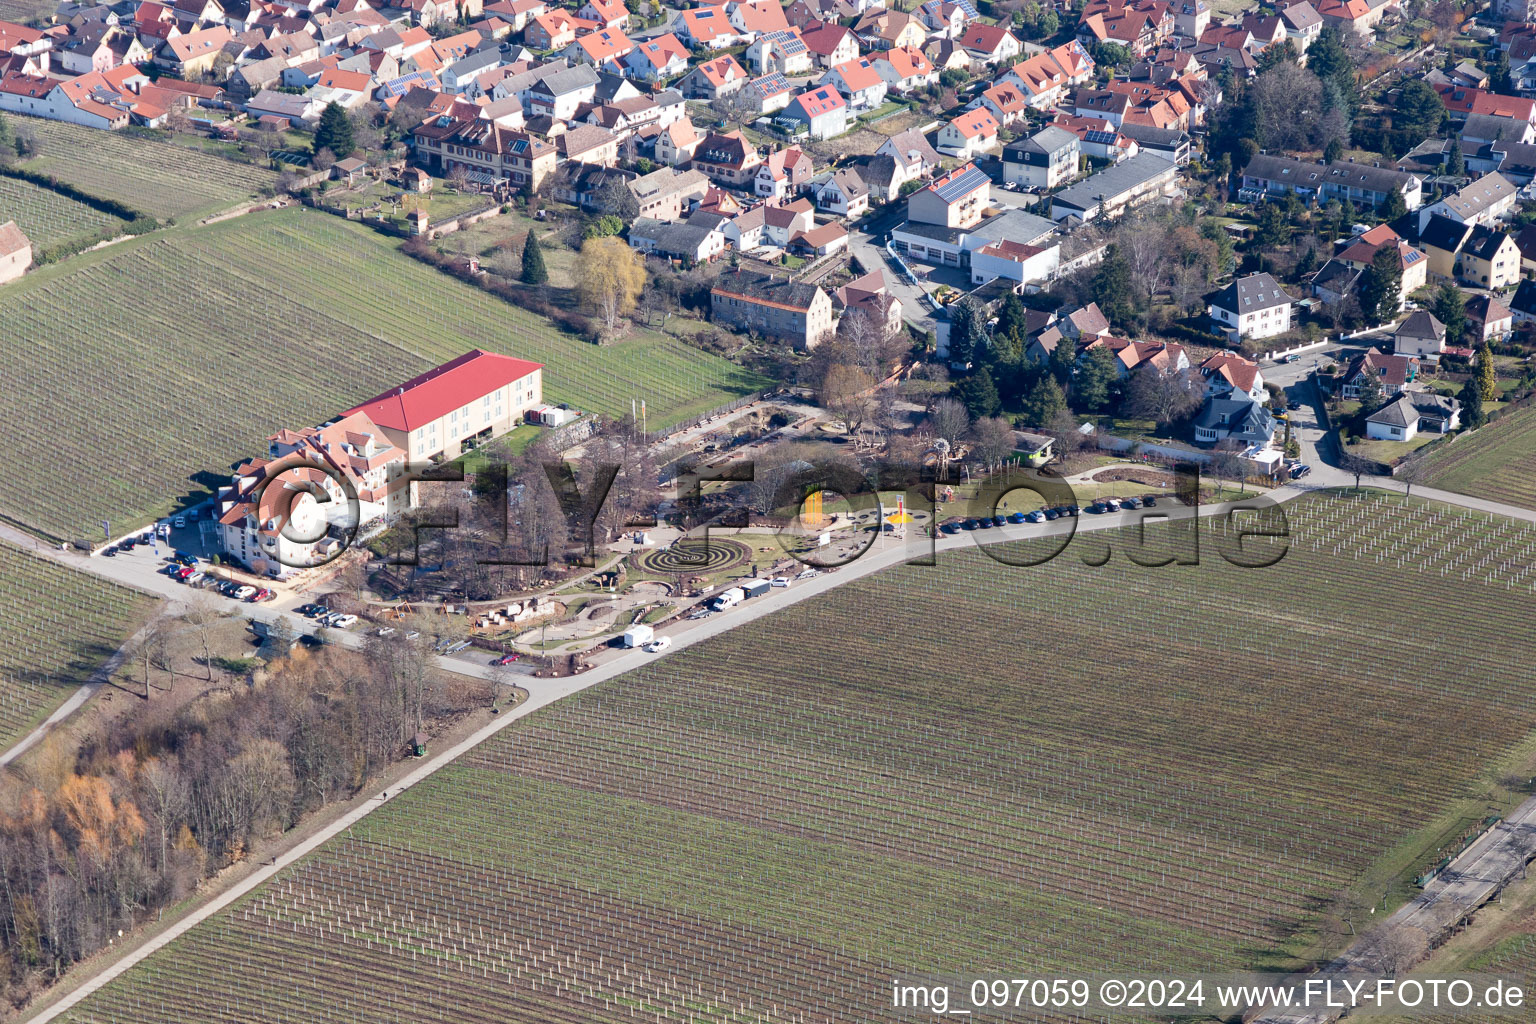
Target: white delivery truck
[638,636]
[729,599]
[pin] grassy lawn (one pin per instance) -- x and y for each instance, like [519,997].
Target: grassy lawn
[727,832]
[1390,451]
[158,177]
[47,217]
[1497,462]
[281,318]
[57,626]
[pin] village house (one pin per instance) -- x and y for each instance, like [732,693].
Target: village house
[968,134]
[1015,261]
[905,69]
[1109,193]
[728,158]
[1228,374]
[1045,160]
[505,155]
[667,193]
[1413,413]
[1361,184]
[772,306]
[1419,335]
[15,252]
[859,83]
[830,44]
[720,76]
[783,173]
[1489,318]
[1375,373]
[989,44]
[841,192]
[956,200]
[822,110]
[1253,307]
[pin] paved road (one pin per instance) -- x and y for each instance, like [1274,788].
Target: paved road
[543,692]
[1474,878]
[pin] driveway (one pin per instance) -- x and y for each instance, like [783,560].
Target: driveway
[871,254]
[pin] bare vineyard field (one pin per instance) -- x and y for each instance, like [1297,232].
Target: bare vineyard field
[162,179]
[56,627]
[1497,462]
[47,217]
[191,346]
[970,767]
[23,11]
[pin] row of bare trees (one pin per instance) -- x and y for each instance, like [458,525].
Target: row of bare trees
[95,840]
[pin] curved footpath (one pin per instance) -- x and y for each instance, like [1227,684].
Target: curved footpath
[882,555]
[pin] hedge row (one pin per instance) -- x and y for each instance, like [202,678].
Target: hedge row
[142,225]
[64,188]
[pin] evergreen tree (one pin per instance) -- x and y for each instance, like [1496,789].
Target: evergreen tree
[1499,79]
[1472,415]
[1419,113]
[1274,230]
[1011,320]
[1455,165]
[1487,377]
[967,330]
[1393,207]
[334,132]
[979,394]
[534,271]
[1451,310]
[1112,288]
[1044,402]
[1307,263]
[1334,150]
[1381,286]
[1063,357]
[1328,59]
[1095,380]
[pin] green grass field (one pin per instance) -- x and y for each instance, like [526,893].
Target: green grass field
[970,767]
[47,217]
[1497,462]
[160,178]
[156,364]
[57,626]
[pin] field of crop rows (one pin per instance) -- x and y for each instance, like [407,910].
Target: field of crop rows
[46,217]
[1498,462]
[160,178]
[967,767]
[56,627]
[188,351]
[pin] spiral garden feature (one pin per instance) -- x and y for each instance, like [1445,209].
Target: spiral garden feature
[696,555]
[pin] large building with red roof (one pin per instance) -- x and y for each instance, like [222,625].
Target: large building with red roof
[478,396]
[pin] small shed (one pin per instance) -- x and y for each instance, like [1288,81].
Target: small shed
[1036,448]
[414,179]
[419,745]
[349,170]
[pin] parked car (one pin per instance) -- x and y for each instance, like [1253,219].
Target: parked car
[412,635]
[809,574]
[1112,504]
[1150,501]
[1300,471]
[181,524]
[182,558]
[1017,517]
[109,552]
[1071,510]
[969,524]
[385,631]
[343,621]
[985,522]
[781,581]
[263,594]
[245,592]
[197,579]
[310,610]
[505,659]
[1052,515]
[1037,516]
[658,645]
[1133,502]
[950,528]
[183,573]
[1293,405]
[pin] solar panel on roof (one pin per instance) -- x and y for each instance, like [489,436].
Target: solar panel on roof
[960,185]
